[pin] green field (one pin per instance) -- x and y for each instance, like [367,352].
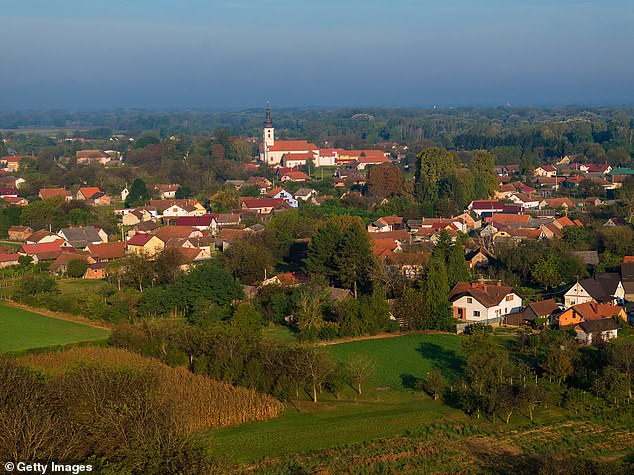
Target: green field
[21,330]
[387,408]
[400,361]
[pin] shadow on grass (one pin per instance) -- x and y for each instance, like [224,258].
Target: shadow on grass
[449,362]
[409,381]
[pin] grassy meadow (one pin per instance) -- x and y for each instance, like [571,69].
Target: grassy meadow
[22,330]
[389,405]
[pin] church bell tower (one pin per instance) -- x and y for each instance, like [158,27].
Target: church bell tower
[268,133]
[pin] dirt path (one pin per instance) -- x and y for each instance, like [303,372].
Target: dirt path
[380,336]
[58,315]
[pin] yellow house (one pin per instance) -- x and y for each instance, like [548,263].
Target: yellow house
[146,244]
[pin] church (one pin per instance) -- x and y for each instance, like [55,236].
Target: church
[294,153]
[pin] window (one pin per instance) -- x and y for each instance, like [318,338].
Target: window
[469,300]
[476,313]
[509,298]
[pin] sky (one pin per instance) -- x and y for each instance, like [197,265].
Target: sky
[153,54]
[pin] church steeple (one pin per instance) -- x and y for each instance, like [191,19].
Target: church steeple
[267,122]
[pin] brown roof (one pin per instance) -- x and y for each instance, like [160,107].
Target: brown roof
[89,191]
[543,308]
[48,193]
[107,250]
[167,232]
[231,234]
[487,295]
[39,235]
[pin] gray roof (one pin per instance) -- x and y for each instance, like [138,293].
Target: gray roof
[602,325]
[80,237]
[602,286]
[589,258]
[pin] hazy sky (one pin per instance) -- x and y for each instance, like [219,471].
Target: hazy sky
[206,53]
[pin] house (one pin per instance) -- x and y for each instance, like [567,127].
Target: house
[178,207]
[12,163]
[542,310]
[8,192]
[478,258]
[9,259]
[616,222]
[545,171]
[480,302]
[132,218]
[147,227]
[144,244]
[263,205]
[50,193]
[525,200]
[60,264]
[627,278]
[504,191]
[45,251]
[19,233]
[305,194]
[557,203]
[554,229]
[93,193]
[385,224]
[81,236]
[602,287]
[202,222]
[589,311]
[92,156]
[192,255]
[166,233]
[224,220]
[106,251]
[285,195]
[488,207]
[86,193]
[372,157]
[42,236]
[294,176]
[597,330]
[288,279]
[166,191]
[13,200]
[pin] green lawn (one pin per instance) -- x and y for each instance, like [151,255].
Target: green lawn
[387,408]
[400,361]
[280,334]
[67,286]
[331,424]
[21,330]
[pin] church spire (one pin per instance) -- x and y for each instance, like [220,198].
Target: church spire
[267,122]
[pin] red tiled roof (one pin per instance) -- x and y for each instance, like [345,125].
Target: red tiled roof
[296,176]
[6,257]
[255,203]
[48,193]
[31,249]
[89,191]
[292,146]
[204,220]
[139,239]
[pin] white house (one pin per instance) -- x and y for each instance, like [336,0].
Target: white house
[545,171]
[603,329]
[285,195]
[605,287]
[479,302]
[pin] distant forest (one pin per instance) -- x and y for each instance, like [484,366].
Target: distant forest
[512,134]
